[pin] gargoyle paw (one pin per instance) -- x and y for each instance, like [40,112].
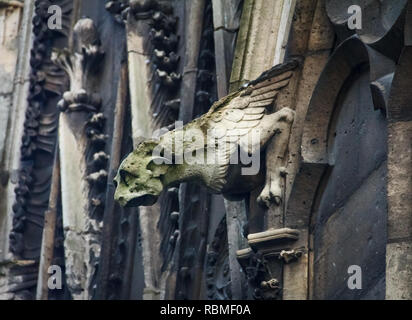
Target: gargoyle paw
[271,194]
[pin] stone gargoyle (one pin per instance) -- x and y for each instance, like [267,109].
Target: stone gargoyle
[207,150]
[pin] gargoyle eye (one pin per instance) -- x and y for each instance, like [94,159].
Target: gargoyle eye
[126,177]
[123,177]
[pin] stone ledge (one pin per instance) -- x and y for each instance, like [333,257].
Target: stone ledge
[272,239]
[398,271]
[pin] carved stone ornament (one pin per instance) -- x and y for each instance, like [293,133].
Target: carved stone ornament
[39,133]
[217,266]
[79,66]
[263,261]
[119,9]
[85,124]
[211,149]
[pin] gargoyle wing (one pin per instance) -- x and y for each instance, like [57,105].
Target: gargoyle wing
[232,119]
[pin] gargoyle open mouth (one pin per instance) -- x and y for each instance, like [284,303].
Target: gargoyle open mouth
[130,198]
[135,200]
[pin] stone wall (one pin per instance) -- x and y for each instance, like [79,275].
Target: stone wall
[10,22]
[349,223]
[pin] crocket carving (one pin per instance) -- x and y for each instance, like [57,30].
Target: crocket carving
[211,149]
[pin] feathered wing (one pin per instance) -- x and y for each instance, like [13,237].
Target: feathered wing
[232,123]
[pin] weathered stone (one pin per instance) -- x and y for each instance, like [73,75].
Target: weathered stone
[321,35]
[399,247]
[400,180]
[264,32]
[14,114]
[9,31]
[138,58]
[399,270]
[226,19]
[76,133]
[144,173]
[349,237]
[295,274]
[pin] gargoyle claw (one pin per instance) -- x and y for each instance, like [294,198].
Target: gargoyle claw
[269,196]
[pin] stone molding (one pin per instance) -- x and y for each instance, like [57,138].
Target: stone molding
[83,160]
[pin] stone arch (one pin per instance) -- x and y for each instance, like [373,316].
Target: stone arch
[347,59]
[381,25]
[349,55]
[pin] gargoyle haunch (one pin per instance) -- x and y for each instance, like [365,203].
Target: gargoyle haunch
[156,164]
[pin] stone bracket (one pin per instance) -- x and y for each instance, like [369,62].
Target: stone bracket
[263,261]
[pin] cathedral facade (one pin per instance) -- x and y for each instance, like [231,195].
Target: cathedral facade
[90,89]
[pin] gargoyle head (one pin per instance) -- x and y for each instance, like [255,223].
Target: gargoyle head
[138,180]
